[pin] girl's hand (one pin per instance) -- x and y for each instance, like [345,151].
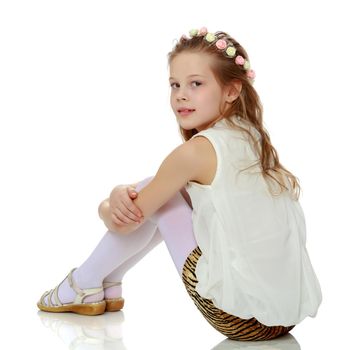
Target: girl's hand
[122,208]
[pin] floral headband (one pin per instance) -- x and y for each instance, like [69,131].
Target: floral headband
[228,49]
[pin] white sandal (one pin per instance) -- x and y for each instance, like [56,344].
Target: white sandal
[77,306]
[113,304]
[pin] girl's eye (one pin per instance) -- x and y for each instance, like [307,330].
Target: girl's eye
[173,85]
[197,83]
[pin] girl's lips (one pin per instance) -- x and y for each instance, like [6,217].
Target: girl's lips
[185,111]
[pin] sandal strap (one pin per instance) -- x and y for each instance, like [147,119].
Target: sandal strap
[42,299]
[49,294]
[107,284]
[81,293]
[48,302]
[55,294]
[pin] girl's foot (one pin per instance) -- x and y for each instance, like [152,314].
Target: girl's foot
[113,296]
[69,297]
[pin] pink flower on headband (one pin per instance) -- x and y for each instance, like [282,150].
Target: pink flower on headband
[203,31]
[221,44]
[239,60]
[251,74]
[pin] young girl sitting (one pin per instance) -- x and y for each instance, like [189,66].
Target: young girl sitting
[225,206]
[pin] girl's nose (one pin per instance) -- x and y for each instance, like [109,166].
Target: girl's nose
[181,97]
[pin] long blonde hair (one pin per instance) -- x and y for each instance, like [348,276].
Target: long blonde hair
[247,106]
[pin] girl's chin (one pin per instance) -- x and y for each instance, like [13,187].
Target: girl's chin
[186,126]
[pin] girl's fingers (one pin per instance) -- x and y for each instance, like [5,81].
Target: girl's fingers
[117,221]
[136,213]
[124,219]
[127,210]
[127,216]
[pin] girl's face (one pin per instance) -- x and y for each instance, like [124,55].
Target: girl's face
[196,97]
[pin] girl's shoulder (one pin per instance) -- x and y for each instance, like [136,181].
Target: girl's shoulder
[206,159]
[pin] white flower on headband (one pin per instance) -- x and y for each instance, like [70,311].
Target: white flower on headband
[193,32]
[210,37]
[230,51]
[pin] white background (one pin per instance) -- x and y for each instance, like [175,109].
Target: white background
[84,106]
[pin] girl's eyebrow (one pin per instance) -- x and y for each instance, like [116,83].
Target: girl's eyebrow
[190,76]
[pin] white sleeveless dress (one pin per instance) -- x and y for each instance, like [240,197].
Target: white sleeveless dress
[254,260]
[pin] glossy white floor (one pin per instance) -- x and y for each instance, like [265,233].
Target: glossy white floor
[153,318]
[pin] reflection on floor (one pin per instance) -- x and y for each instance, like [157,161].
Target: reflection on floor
[104,332]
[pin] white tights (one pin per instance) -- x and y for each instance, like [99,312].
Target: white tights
[115,254]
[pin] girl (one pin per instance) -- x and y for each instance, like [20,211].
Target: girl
[225,206]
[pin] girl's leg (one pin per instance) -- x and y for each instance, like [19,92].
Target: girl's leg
[118,274]
[174,222]
[112,251]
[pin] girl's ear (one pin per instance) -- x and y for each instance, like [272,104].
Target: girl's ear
[233,90]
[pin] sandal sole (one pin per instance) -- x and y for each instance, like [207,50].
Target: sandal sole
[114,304]
[90,309]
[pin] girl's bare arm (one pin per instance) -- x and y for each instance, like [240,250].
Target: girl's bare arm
[182,165]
